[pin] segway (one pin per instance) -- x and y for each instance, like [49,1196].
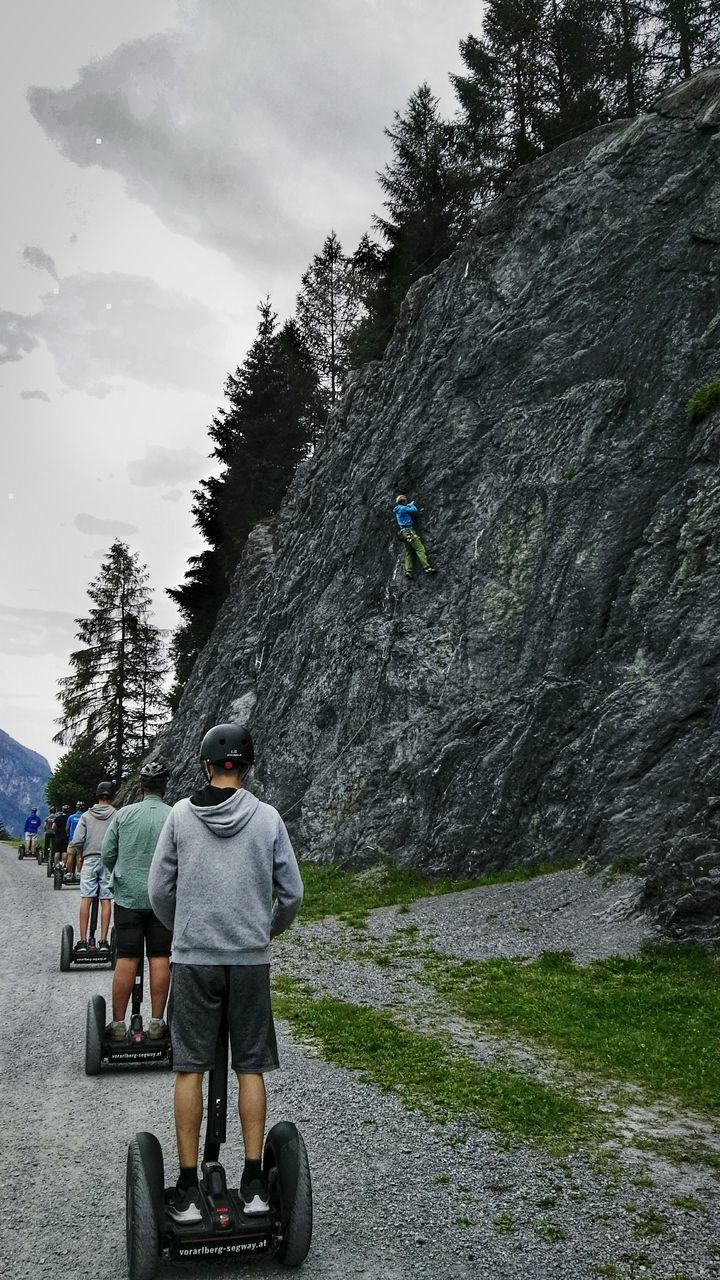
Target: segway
[63,879]
[93,955]
[137,1048]
[284,1231]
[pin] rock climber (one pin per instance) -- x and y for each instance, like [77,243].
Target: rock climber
[404,511]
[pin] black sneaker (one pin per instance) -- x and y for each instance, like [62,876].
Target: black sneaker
[254,1196]
[104,945]
[183,1205]
[430,569]
[81,946]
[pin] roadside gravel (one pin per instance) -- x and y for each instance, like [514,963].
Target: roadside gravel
[396,1197]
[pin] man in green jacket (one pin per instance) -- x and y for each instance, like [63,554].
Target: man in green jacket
[127,851]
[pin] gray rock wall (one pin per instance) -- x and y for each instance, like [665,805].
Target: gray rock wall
[552,692]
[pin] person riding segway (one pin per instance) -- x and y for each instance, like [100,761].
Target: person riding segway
[220,858]
[33,823]
[94,879]
[127,852]
[56,868]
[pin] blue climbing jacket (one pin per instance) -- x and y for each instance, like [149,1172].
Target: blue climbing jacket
[404,514]
[32,824]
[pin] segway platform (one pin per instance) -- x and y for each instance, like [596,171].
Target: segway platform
[63,879]
[137,1049]
[225,1229]
[90,956]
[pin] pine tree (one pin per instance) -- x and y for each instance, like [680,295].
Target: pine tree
[685,38]
[276,412]
[327,311]
[574,52]
[427,189]
[628,57]
[106,703]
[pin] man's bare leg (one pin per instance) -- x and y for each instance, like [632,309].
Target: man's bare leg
[84,917]
[159,984]
[252,1105]
[123,979]
[105,909]
[188,1116]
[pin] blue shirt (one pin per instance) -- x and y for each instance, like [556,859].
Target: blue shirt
[32,824]
[72,822]
[404,514]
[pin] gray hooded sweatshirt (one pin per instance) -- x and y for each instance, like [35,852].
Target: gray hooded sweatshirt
[90,830]
[214,873]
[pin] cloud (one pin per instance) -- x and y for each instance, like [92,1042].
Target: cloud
[37,257]
[165,466]
[35,632]
[108,528]
[16,337]
[35,395]
[173,496]
[250,127]
[104,328]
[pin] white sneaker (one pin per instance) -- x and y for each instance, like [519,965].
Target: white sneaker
[184,1206]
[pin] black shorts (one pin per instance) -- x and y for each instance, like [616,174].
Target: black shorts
[197,996]
[133,929]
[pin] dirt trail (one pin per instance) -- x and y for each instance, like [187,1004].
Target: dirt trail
[396,1198]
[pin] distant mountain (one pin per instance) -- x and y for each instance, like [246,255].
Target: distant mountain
[23,774]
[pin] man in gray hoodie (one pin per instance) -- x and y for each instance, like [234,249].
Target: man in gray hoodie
[87,841]
[221,859]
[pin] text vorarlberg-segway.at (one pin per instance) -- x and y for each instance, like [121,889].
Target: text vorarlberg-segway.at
[91,954]
[285,1230]
[137,1048]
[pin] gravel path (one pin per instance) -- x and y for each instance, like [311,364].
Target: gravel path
[380,1211]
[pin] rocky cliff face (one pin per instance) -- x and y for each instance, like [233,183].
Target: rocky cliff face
[23,774]
[552,692]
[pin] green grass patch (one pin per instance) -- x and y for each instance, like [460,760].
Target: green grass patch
[653,1018]
[703,401]
[331,890]
[430,1075]
[692,1151]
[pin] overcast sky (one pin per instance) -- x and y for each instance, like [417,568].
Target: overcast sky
[164,165]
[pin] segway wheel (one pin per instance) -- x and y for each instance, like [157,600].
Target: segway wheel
[113,948]
[94,1031]
[66,948]
[144,1206]
[288,1176]
[20,853]
[58,877]
[38,855]
[48,868]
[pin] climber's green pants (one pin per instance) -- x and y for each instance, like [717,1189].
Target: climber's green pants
[413,543]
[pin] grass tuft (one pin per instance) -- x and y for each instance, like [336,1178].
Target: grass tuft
[430,1075]
[331,890]
[652,1018]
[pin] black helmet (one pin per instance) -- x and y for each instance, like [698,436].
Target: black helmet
[154,773]
[104,789]
[66,808]
[35,809]
[79,804]
[230,745]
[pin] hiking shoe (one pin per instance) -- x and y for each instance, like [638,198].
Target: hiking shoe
[157,1030]
[254,1195]
[430,569]
[81,947]
[104,945]
[183,1205]
[117,1031]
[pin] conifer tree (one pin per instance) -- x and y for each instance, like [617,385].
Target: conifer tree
[427,204]
[275,414]
[327,310]
[685,37]
[109,702]
[628,57]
